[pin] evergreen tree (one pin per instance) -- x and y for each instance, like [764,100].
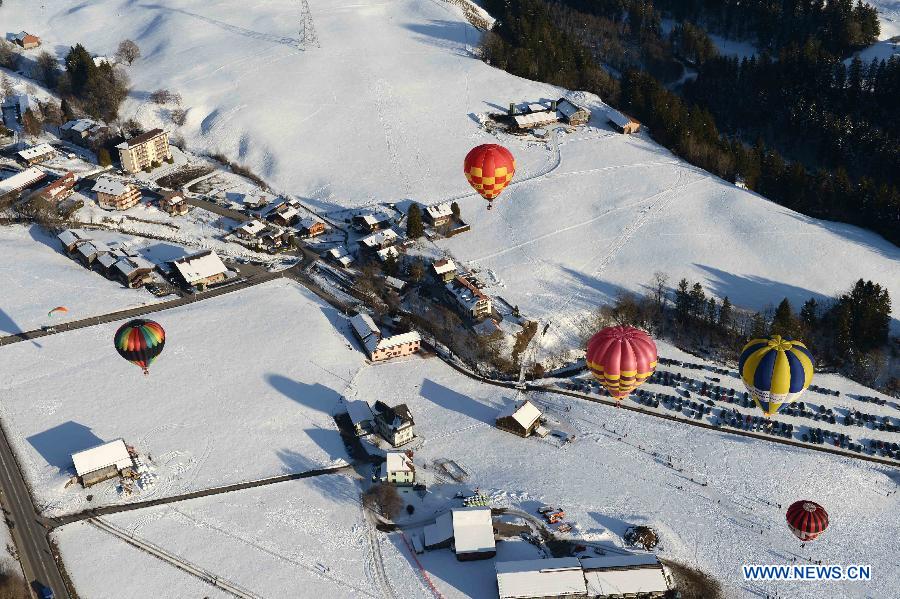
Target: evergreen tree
[726,314]
[682,302]
[66,108]
[711,311]
[414,228]
[809,314]
[81,69]
[758,326]
[454,207]
[698,301]
[784,323]
[865,313]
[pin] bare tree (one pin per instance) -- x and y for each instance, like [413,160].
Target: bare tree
[9,56]
[128,51]
[48,69]
[179,116]
[6,86]
[386,497]
[32,123]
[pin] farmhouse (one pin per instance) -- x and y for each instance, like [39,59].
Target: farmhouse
[391,253]
[83,132]
[559,577]
[572,113]
[438,214]
[398,469]
[173,203]
[368,223]
[102,462]
[133,272]
[199,271]
[445,270]
[144,150]
[27,40]
[383,348]
[59,190]
[622,123]
[88,252]
[380,240]
[473,533]
[116,194]
[635,575]
[36,154]
[105,262]
[21,180]
[70,238]
[537,115]
[310,227]
[250,229]
[361,416]
[468,298]
[284,215]
[520,418]
[395,424]
[274,237]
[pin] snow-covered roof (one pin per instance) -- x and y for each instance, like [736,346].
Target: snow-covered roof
[374,218]
[101,456]
[80,125]
[308,223]
[252,227]
[110,258]
[199,266]
[111,186]
[439,210]
[486,327]
[396,340]
[21,180]
[380,238]
[364,326]
[70,236]
[465,292]
[525,413]
[287,213]
[35,151]
[555,577]
[338,252]
[444,266]
[359,411]
[390,252]
[131,264]
[618,118]
[395,283]
[624,574]
[440,531]
[567,108]
[398,462]
[536,118]
[91,248]
[140,139]
[473,530]
[536,107]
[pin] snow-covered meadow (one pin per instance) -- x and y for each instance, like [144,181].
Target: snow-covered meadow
[243,390]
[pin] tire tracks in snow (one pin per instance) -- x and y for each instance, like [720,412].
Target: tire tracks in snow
[376,558]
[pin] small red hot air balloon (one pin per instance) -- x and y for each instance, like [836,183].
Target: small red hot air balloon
[489,168]
[806,519]
[621,358]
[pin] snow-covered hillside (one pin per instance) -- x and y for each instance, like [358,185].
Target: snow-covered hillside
[244,390]
[386,109]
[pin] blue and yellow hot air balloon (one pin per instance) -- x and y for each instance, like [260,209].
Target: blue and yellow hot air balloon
[775,371]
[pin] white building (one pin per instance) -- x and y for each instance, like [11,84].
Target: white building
[21,180]
[380,240]
[200,270]
[398,469]
[538,578]
[383,348]
[635,575]
[394,423]
[101,462]
[116,194]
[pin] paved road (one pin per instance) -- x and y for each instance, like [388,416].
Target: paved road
[27,528]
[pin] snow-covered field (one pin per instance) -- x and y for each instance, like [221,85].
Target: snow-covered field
[37,277]
[599,216]
[888,17]
[244,390]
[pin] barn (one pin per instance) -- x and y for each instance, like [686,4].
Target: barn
[520,418]
[102,462]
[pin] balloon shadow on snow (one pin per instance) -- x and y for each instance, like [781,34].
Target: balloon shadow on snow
[315,396]
[852,233]
[8,325]
[328,440]
[56,445]
[453,400]
[449,35]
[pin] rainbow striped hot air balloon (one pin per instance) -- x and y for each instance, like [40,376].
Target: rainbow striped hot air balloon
[621,358]
[806,519]
[489,168]
[140,342]
[775,371]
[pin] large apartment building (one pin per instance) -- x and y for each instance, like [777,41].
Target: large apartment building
[143,150]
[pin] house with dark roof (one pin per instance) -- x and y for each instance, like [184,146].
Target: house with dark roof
[395,423]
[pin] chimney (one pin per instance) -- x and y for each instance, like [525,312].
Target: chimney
[553,105]
[512,109]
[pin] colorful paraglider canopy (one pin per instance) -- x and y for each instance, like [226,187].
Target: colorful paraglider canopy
[775,371]
[489,168]
[806,519]
[621,358]
[58,310]
[140,342]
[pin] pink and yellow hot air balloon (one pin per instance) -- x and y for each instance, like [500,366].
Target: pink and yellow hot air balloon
[621,358]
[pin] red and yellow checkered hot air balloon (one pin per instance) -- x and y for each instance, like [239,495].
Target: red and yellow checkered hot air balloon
[489,168]
[621,358]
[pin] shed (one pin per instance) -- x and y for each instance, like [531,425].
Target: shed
[622,122]
[27,40]
[473,533]
[538,578]
[361,416]
[520,418]
[630,575]
[101,462]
